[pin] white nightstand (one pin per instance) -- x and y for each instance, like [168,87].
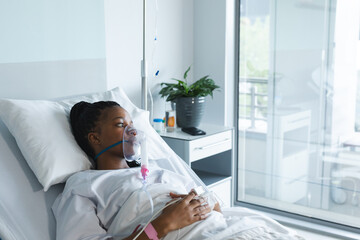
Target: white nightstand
[210,156]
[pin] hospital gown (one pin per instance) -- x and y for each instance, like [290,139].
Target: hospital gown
[98,204]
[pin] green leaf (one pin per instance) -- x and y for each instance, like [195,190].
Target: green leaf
[175,79]
[186,72]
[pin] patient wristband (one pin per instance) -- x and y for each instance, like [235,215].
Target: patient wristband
[151,232]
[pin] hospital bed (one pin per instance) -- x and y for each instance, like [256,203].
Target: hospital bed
[25,208]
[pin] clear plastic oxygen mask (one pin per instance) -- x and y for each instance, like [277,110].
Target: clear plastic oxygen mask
[134,147]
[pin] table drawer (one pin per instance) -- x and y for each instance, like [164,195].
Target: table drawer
[210,145]
[223,191]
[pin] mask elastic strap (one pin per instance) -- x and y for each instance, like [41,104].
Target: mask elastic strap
[104,150]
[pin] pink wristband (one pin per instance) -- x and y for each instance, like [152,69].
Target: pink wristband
[151,232]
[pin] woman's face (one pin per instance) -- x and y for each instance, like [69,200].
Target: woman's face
[111,128]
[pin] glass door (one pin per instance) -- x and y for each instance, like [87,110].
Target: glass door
[299,107]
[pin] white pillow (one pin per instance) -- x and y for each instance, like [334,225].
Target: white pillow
[43,133]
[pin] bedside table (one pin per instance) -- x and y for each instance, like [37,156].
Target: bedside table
[210,156]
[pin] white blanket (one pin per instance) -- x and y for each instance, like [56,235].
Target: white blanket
[98,204]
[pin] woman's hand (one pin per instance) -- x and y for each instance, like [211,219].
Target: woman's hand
[177,215]
[175,196]
[181,214]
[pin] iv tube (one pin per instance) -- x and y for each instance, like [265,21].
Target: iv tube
[144,171]
[144,160]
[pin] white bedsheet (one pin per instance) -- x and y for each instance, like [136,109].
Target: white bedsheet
[96,204]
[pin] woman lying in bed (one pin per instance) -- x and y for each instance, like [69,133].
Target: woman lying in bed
[94,199]
[108,202]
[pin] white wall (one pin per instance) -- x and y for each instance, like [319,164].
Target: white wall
[40,30]
[51,49]
[171,54]
[52,79]
[230,67]
[214,55]
[58,48]
[209,52]
[197,33]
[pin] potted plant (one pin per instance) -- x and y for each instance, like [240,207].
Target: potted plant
[189,99]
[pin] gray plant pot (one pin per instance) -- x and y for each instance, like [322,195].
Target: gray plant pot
[189,111]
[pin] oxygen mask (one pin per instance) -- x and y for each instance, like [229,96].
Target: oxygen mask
[133,145]
[132,141]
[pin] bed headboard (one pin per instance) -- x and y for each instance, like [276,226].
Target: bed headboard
[22,196]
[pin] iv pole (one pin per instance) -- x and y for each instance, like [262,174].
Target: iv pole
[143,64]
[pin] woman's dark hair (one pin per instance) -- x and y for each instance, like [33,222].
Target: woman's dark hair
[83,119]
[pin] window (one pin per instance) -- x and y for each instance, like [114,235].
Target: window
[299,107]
